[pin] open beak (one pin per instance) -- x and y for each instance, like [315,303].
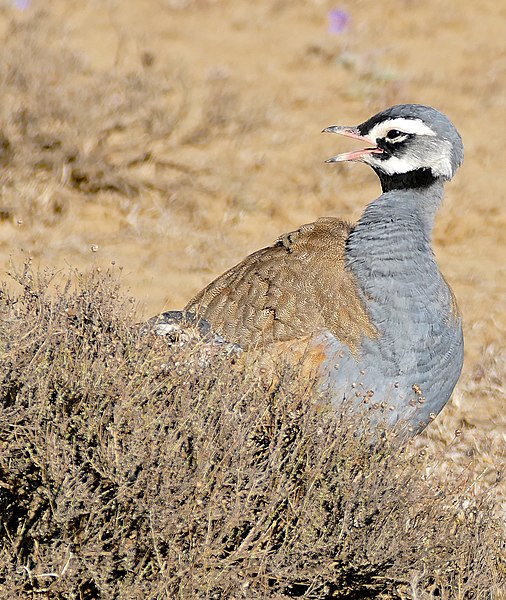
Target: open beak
[356,155]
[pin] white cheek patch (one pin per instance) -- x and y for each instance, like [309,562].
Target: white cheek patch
[440,164]
[415,126]
[392,165]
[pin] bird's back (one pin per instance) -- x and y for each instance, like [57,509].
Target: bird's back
[294,288]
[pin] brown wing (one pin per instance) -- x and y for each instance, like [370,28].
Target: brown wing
[289,290]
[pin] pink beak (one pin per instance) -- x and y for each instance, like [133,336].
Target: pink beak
[356,155]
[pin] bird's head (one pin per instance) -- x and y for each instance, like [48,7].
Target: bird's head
[405,140]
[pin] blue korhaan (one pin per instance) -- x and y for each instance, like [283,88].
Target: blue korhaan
[365,304]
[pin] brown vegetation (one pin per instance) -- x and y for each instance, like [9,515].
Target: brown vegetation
[133,470]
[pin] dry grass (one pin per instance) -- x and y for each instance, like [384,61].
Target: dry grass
[46,133]
[75,133]
[131,470]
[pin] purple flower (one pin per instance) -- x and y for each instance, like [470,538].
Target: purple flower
[21,4]
[338,20]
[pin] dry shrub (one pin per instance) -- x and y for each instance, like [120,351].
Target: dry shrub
[132,470]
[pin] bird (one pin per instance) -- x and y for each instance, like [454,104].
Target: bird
[364,304]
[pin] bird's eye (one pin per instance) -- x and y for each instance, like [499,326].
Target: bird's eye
[394,134]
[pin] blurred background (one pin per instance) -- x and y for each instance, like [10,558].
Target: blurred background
[173,137]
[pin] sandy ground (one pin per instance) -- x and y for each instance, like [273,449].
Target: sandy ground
[248,86]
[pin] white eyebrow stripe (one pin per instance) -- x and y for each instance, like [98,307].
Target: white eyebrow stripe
[416,126]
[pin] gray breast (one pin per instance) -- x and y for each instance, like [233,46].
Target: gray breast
[409,371]
[412,390]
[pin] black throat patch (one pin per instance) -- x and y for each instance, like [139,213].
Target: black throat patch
[419,178]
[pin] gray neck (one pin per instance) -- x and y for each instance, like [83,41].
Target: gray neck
[390,253]
[397,218]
